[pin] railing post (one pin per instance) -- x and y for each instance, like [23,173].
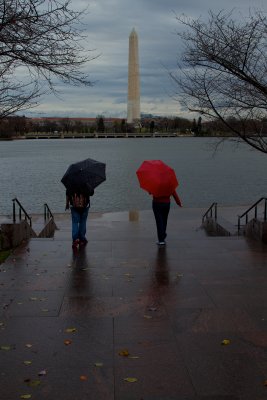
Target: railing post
[21,209]
[14,211]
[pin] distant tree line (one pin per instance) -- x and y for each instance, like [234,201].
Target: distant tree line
[20,125]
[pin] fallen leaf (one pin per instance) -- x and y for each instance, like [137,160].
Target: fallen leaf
[27,362]
[34,383]
[83,378]
[42,373]
[99,364]
[225,342]
[71,330]
[124,353]
[147,316]
[28,345]
[44,310]
[33,298]
[67,342]
[133,357]
[5,348]
[131,380]
[26,396]
[152,309]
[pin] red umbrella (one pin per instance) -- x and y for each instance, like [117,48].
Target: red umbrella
[157,178]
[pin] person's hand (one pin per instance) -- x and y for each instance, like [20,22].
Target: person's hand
[67,207]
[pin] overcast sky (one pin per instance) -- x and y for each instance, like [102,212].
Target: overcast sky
[108,25]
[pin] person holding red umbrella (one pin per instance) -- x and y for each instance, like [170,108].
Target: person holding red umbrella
[159,180]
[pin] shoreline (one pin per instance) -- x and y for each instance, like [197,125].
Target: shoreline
[110,136]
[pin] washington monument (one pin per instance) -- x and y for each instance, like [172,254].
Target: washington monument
[133,108]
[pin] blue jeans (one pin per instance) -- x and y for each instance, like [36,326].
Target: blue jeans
[79,219]
[161,212]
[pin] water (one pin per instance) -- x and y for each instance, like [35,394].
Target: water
[31,170]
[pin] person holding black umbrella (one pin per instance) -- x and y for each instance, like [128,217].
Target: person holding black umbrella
[80,180]
[79,202]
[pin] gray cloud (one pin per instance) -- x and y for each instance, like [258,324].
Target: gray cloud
[107,26]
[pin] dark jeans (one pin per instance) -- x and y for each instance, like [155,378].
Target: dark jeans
[161,212]
[79,223]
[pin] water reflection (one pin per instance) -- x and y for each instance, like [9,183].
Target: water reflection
[80,281]
[162,268]
[159,281]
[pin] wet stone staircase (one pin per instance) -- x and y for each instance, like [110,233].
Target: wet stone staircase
[21,226]
[249,221]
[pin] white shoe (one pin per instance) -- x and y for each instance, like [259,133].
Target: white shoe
[161,243]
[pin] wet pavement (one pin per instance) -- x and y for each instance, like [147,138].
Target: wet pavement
[122,319]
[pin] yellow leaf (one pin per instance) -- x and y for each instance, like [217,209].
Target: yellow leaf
[27,362]
[147,316]
[225,342]
[34,383]
[124,353]
[71,330]
[26,396]
[98,364]
[6,348]
[131,380]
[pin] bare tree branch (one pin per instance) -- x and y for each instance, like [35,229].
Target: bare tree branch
[223,72]
[44,38]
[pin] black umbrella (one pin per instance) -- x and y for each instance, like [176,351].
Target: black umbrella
[86,174]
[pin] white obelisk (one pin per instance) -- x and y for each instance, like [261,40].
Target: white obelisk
[133,109]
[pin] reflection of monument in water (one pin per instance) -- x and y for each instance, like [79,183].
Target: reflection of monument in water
[133,108]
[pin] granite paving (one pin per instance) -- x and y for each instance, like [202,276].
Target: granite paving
[124,319]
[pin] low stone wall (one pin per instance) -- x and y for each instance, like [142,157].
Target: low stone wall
[256,229]
[12,235]
[48,230]
[215,228]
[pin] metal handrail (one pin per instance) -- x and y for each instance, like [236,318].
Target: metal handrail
[209,212]
[21,209]
[255,207]
[47,212]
